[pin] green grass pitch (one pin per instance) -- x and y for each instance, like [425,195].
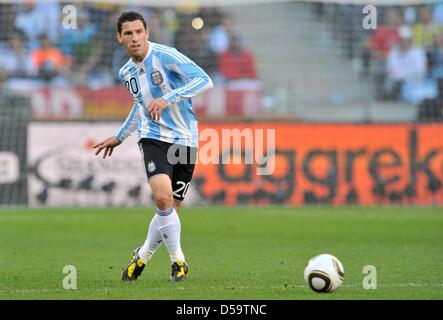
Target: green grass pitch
[233,252]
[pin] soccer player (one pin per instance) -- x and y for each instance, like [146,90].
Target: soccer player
[162,82]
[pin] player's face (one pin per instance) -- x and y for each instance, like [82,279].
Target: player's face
[134,37]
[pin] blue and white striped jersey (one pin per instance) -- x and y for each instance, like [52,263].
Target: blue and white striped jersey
[167,73]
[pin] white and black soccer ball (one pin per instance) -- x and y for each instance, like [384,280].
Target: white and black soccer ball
[324,273]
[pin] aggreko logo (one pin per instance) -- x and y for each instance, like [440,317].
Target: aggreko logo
[335,164]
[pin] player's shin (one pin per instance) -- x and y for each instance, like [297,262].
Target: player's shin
[153,241]
[170,229]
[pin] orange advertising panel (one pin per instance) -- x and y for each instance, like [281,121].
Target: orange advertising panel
[320,164]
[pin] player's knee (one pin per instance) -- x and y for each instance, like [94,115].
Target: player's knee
[163,200]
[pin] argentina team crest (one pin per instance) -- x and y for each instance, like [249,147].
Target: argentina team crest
[156,78]
[151,166]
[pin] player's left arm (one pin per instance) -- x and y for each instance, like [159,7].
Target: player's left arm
[197,82]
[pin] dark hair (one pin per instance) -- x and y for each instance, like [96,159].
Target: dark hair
[129,16]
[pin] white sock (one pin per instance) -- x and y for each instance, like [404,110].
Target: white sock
[170,227]
[153,241]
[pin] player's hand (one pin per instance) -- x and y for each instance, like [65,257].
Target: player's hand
[155,107]
[108,144]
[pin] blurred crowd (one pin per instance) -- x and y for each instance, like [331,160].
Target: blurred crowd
[403,54]
[39,43]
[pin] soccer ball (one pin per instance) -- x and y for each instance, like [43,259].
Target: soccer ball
[324,273]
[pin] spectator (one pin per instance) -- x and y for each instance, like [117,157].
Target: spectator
[382,40]
[37,17]
[406,67]
[78,42]
[219,36]
[49,61]
[170,23]
[157,32]
[437,58]
[15,59]
[237,62]
[386,35]
[437,14]
[409,15]
[425,29]
[202,54]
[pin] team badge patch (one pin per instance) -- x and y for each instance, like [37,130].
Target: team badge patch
[151,166]
[156,78]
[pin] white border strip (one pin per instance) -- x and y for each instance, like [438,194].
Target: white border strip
[224,3]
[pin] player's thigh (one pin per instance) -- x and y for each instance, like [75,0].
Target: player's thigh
[155,159]
[161,184]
